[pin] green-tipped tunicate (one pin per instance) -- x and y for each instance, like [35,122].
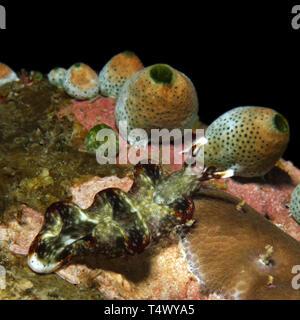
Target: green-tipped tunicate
[247,140]
[93,139]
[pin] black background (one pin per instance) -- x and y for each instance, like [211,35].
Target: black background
[241,53]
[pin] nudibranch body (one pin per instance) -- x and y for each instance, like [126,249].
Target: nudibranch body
[6,74]
[158,97]
[248,140]
[118,223]
[57,77]
[117,71]
[81,82]
[295,204]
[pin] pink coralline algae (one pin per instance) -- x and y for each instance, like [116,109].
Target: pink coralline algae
[19,234]
[90,114]
[270,196]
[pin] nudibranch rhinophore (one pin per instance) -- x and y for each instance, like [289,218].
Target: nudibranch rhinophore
[117,71]
[236,253]
[295,204]
[81,82]
[57,77]
[6,74]
[248,140]
[118,223]
[157,97]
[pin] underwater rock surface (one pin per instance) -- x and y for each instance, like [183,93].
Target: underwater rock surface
[161,272]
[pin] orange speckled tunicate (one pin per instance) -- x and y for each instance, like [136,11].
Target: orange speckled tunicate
[81,82]
[117,71]
[6,74]
[158,97]
[248,140]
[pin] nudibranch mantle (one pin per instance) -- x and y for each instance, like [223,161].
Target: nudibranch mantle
[119,223]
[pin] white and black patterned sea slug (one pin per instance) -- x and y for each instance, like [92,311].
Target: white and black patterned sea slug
[117,223]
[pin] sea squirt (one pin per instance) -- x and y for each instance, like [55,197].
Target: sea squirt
[248,140]
[157,97]
[81,82]
[7,74]
[57,76]
[92,141]
[117,71]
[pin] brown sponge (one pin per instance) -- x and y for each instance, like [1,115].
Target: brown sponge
[237,253]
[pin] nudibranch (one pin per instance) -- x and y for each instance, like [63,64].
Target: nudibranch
[248,140]
[117,71]
[57,77]
[7,74]
[81,82]
[157,97]
[235,252]
[295,204]
[118,223]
